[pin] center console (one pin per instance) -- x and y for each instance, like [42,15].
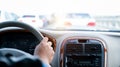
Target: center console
[82,53]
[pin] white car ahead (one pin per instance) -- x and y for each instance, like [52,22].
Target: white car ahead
[32,19]
[79,19]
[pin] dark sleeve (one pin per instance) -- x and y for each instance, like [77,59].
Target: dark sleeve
[20,62]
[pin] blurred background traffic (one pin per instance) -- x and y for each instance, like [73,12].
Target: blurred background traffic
[63,14]
[64,19]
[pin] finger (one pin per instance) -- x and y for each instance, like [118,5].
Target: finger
[45,39]
[50,43]
[51,48]
[52,53]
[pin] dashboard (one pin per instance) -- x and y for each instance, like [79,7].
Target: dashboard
[72,48]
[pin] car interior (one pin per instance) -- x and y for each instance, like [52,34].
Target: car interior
[73,47]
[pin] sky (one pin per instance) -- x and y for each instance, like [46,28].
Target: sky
[61,6]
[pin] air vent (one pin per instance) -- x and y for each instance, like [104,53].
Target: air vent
[92,48]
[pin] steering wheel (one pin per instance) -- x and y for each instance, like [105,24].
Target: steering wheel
[13,51]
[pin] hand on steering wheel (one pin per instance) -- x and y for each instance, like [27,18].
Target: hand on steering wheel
[44,51]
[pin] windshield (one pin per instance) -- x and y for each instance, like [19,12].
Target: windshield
[97,15]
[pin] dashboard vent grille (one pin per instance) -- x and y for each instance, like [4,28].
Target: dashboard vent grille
[83,53]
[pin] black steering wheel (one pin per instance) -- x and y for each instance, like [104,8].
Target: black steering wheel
[13,51]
